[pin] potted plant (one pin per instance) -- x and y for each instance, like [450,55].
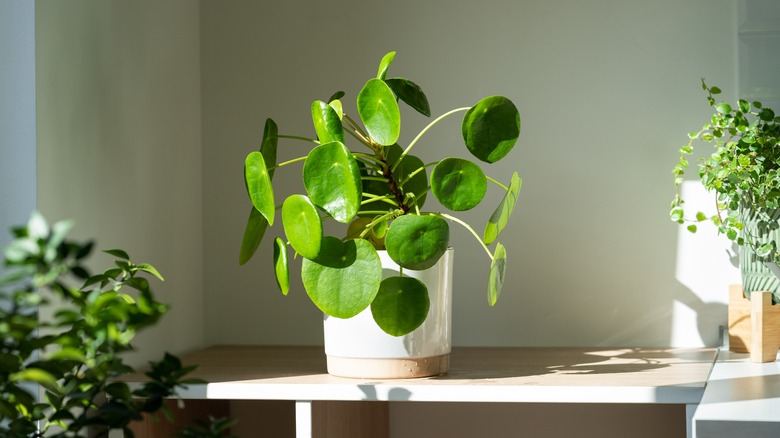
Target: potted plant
[76,356]
[378,189]
[744,172]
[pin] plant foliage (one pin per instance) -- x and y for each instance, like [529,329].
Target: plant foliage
[76,357]
[743,170]
[378,188]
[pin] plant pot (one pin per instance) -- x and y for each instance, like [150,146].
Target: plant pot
[357,347]
[763,227]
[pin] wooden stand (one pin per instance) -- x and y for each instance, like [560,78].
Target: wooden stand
[754,325]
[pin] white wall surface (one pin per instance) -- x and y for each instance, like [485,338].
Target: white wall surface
[119,146]
[17,115]
[607,90]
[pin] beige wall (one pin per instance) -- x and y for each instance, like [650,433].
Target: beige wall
[607,90]
[119,142]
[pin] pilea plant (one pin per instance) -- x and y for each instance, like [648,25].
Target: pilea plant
[379,189]
[743,170]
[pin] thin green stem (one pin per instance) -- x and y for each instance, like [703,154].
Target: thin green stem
[295,160]
[468,227]
[374,178]
[373,212]
[372,198]
[354,125]
[295,137]
[430,125]
[371,224]
[418,170]
[497,183]
[368,156]
[359,138]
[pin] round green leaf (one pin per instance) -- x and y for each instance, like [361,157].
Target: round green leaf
[336,105]
[500,217]
[327,123]
[380,229]
[358,226]
[302,225]
[281,267]
[410,93]
[497,271]
[417,242]
[458,184]
[269,144]
[384,64]
[256,225]
[336,96]
[491,127]
[401,305]
[379,112]
[258,184]
[418,183]
[344,279]
[332,179]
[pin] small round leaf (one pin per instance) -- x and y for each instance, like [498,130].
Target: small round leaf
[490,128]
[500,216]
[337,95]
[379,112]
[281,267]
[332,179]
[344,279]
[410,93]
[258,184]
[269,145]
[418,183]
[497,271]
[458,184]
[401,305]
[327,123]
[384,64]
[417,242]
[256,225]
[302,225]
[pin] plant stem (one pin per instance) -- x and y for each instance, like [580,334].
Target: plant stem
[430,125]
[416,171]
[295,137]
[371,224]
[295,160]
[474,233]
[372,198]
[376,212]
[497,183]
[354,125]
[360,138]
[368,156]
[374,178]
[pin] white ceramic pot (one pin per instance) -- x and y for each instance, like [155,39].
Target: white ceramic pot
[357,347]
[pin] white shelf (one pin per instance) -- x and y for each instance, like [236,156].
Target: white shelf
[742,399]
[504,375]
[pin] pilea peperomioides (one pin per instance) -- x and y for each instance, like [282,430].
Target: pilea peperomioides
[379,191]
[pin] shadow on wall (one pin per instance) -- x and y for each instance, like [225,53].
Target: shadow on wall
[706,264]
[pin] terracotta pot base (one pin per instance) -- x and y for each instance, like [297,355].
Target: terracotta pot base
[406,368]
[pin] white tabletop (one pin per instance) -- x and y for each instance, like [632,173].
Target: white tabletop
[742,399]
[541,375]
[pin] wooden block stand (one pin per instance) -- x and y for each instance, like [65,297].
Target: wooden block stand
[754,325]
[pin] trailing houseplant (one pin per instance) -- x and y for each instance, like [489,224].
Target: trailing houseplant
[76,357]
[744,172]
[378,190]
